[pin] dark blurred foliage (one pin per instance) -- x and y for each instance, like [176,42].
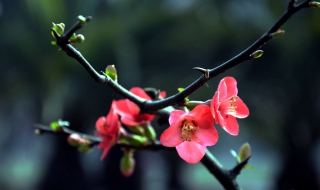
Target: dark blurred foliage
[156,44]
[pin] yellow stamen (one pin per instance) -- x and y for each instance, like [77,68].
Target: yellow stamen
[189,131]
[232,107]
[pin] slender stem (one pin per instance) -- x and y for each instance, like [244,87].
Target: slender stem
[40,129]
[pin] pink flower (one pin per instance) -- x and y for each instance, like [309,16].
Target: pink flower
[129,111]
[108,129]
[226,106]
[190,133]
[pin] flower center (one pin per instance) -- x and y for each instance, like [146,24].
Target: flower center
[232,107]
[189,131]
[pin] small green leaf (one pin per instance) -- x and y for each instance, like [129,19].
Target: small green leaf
[82,19]
[257,54]
[58,28]
[314,4]
[135,140]
[248,167]
[137,130]
[111,71]
[73,37]
[84,148]
[244,152]
[277,33]
[53,42]
[182,89]
[149,131]
[55,126]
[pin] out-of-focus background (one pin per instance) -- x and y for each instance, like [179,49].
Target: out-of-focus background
[156,44]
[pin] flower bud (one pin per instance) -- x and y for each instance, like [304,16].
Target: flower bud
[135,140]
[277,33]
[149,132]
[127,163]
[78,141]
[111,71]
[244,152]
[58,28]
[82,19]
[137,130]
[314,4]
[74,140]
[257,54]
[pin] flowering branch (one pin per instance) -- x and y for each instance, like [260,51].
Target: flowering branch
[153,106]
[241,57]
[227,178]
[160,106]
[93,140]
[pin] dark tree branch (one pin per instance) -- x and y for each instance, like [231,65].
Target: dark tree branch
[153,106]
[226,177]
[243,56]
[40,129]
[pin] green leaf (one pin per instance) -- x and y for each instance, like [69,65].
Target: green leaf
[82,19]
[244,152]
[276,34]
[149,131]
[135,140]
[248,167]
[137,130]
[257,54]
[314,4]
[84,148]
[55,126]
[182,89]
[111,71]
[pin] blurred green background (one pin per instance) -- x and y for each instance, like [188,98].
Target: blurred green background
[156,44]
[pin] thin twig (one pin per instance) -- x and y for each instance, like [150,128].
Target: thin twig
[40,129]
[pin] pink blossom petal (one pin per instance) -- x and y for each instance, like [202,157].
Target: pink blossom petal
[201,112]
[207,134]
[113,119]
[163,94]
[121,107]
[171,136]
[227,88]
[176,115]
[191,152]
[140,92]
[231,126]
[105,152]
[106,144]
[132,108]
[241,109]
[214,105]
[101,124]
[129,120]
